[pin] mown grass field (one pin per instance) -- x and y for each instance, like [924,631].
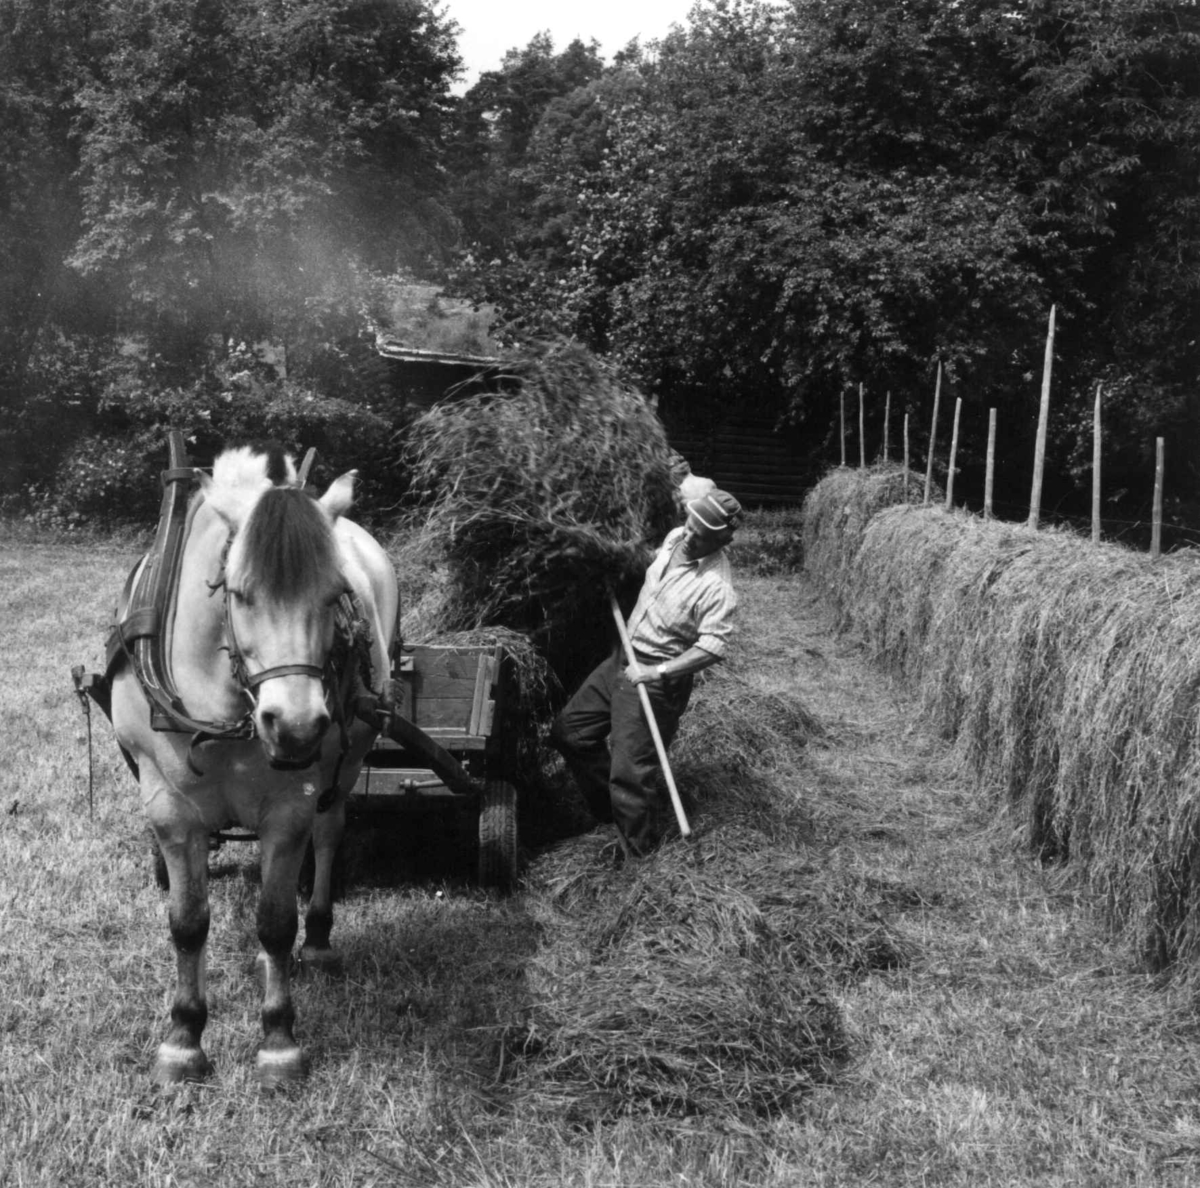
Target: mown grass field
[1013,1045]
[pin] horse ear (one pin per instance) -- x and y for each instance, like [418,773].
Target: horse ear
[340,495]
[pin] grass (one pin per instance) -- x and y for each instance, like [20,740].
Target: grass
[1012,1044]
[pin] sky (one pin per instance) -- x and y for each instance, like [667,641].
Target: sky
[491,27]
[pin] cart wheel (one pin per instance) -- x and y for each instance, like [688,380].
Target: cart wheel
[498,835]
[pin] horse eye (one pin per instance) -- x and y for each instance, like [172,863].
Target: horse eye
[243,598]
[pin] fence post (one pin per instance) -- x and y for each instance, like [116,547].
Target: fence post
[842,400]
[862,433]
[953,455]
[990,473]
[1039,454]
[887,419]
[906,457]
[937,397]
[1156,529]
[1096,467]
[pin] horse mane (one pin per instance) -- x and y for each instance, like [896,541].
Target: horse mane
[285,549]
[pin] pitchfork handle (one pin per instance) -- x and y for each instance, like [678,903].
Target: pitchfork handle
[648,710]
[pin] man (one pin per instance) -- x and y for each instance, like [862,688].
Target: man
[680,625]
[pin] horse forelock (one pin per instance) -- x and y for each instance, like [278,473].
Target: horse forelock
[286,550]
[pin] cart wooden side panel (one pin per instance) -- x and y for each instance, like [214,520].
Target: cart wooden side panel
[455,697]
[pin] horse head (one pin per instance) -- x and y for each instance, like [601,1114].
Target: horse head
[283,580]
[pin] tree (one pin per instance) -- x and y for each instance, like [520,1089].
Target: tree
[181,172]
[497,119]
[721,246]
[1106,144]
[243,167]
[42,47]
[779,204]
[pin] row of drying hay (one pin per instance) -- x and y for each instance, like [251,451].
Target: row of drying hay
[1070,673]
[838,509]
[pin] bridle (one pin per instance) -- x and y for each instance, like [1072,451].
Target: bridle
[249,683]
[338,675]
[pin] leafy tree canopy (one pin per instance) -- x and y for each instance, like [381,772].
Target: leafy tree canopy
[242,166]
[777,204]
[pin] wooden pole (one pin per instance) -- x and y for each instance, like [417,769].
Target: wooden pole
[906,457]
[937,398]
[953,455]
[862,436]
[1039,455]
[990,474]
[652,722]
[887,419]
[1156,528]
[1096,467]
[842,399]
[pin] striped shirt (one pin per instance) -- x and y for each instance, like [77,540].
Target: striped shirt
[691,604]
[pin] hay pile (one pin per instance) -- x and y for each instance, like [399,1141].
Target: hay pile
[1071,675]
[537,500]
[697,982]
[738,752]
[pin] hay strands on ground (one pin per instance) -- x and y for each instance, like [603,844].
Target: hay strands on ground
[688,983]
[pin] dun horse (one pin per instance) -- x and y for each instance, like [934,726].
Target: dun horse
[281,618]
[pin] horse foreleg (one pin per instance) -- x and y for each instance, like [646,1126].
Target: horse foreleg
[317,952]
[279,1059]
[180,1056]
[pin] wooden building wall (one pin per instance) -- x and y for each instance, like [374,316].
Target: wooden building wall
[747,457]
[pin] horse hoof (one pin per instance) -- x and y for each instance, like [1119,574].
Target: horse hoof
[327,962]
[174,1065]
[276,1067]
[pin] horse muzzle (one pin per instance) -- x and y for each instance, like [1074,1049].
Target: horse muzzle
[291,715]
[291,742]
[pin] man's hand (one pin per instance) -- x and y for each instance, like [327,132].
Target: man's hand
[642,674]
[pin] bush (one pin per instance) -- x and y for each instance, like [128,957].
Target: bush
[90,437]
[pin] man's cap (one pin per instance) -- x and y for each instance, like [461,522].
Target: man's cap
[694,487]
[718,511]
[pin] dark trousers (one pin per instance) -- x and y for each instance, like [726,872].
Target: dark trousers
[603,736]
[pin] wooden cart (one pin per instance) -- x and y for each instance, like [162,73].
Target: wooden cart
[446,742]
